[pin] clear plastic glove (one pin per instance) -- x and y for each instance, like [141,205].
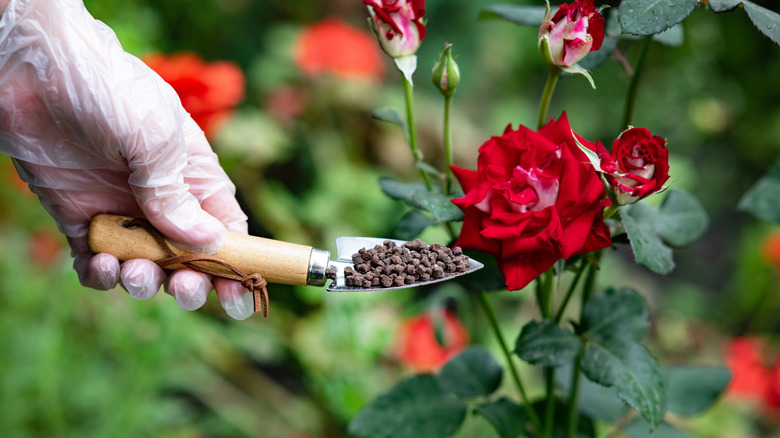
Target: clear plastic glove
[93,130]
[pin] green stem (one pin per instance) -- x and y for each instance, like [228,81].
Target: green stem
[575,387]
[570,292]
[634,85]
[447,146]
[491,317]
[549,411]
[549,88]
[416,153]
[590,280]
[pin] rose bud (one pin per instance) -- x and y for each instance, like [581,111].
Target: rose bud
[397,25]
[574,30]
[641,165]
[446,74]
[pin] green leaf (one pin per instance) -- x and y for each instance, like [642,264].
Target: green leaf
[640,429]
[614,313]
[679,220]
[412,224]
[548,344]
[390,115]
[399,190]
[413,408]
[763,199]
[593,400]
[471,374]
[507,417]
[724,5]
[649,249]
[613,322]
[648,17]
[439,204]
[629,367]
[418,196]
[682,219]
[522,15]
[673,37]
[766,21]
[693,389]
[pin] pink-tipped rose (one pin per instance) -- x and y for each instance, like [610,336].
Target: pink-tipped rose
[397,25]
[532,201]
[641,165]
[575,30]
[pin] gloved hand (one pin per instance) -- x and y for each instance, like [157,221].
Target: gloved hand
[93,130]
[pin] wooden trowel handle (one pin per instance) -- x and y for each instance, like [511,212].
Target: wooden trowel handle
[276,261]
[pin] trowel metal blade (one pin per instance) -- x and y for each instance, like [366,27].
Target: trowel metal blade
[346,246]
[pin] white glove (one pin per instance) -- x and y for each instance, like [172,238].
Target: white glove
[93,130]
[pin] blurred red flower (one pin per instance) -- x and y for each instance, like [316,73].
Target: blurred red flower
[45,248]
[417,344]
[331,46]
[208,91]
[752,376]
[770,248]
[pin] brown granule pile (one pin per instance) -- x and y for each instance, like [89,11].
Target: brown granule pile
[390,265]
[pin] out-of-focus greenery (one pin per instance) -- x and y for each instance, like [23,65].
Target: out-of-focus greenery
[77,362]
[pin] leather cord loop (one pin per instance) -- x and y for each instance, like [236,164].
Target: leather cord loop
[254,281]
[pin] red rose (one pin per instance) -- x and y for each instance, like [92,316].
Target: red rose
[208,91]
[575,30]
[532,201]
[641,165]
[397,25]
[418,347]
[332,46]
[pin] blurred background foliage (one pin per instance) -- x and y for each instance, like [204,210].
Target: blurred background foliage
[306,156]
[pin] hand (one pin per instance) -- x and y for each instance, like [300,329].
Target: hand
[93,130]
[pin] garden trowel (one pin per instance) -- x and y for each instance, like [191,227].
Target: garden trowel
[277,261]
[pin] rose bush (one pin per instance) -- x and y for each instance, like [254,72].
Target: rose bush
[575,29]
[532,201]
[397,25]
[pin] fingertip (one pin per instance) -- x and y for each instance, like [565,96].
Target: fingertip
[190,288]
[236,300]
[141,278]
[100,271]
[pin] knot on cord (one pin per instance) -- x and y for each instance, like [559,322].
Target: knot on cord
[254,282]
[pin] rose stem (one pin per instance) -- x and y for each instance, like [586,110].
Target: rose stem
[491,317]
[634,85]
[570,292]
[546,293]
[416,154]
[575,386]
[587,292]
[447,146]
[549,88]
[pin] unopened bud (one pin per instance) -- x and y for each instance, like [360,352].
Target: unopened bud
[446,74]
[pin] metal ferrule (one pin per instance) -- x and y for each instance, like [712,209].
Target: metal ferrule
[318,263]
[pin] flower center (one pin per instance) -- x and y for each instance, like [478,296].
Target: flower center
[531,190]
